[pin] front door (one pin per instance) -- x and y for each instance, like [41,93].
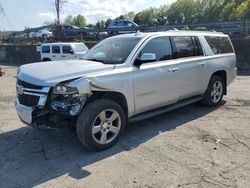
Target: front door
[156,83]
[67,52]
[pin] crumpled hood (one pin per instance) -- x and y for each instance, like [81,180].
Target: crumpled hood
[53,72]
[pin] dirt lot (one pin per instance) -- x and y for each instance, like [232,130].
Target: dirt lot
[190,147]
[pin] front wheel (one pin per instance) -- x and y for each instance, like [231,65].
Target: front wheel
[101,124]
[214,92]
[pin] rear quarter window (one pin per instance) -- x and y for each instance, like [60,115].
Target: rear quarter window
[219,45]
[46,49]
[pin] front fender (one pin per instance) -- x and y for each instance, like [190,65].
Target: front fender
[82,84]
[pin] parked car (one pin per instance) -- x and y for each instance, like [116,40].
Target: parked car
[71,31]
[121,24]
[126,78]
[41,34]
[62,51]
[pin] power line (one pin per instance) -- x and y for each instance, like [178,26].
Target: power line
[2,12]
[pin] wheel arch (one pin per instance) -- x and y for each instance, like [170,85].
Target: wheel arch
[117,97]
[223,75]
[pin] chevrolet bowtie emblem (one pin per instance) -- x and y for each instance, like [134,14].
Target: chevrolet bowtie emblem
[20,90]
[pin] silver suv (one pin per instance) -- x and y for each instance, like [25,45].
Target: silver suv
[126,78]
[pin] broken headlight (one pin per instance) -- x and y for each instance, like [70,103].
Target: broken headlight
[67,99]
[65,90]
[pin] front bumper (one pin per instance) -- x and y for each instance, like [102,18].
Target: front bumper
[24,113]
[28,99]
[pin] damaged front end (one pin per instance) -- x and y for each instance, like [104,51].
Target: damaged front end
[65,102]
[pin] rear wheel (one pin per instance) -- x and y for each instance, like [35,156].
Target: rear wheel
[101,124]
[214,92]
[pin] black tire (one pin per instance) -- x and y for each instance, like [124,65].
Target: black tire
[87,119]
[207,98]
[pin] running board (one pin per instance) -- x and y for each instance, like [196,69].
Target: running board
[152,113]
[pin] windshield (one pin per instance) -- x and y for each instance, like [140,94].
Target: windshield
[112,50]
[80,48]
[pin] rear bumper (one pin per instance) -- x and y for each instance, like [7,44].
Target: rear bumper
[231,75]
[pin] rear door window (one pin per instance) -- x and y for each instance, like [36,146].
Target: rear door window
[56,49]
[120,23]
[46,49]
[161,47]
[187,46]
[219,45]
[67,50]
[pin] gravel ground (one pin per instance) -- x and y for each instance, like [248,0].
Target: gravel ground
[194,146]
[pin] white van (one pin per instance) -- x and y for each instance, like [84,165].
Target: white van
[62,51]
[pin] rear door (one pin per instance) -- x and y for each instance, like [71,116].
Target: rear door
[56,53]
[189,56]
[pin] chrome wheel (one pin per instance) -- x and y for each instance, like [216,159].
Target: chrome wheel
[217,92]
[106,126]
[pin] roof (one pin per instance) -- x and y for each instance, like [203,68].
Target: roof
[63,43]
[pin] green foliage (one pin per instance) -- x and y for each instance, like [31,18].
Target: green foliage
[69,20]
[79,20]
[195,11]
[147,17]
[184,12]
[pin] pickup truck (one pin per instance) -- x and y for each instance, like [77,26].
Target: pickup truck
[126,78]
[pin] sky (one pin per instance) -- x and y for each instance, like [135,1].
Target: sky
[33,13]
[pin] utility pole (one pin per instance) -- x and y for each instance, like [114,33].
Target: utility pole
[58,6]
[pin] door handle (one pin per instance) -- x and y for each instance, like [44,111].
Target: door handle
[173,70]
[53,56]
[63,56]
[201,64]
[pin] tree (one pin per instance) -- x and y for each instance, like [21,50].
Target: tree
[130,16]
[69,20]
[184,12]
[121,17]
[147,17]
[108,21]
[162,14]
[100,24]
[79,21]
[242,11]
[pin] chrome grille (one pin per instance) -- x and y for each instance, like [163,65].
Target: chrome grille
[28,100]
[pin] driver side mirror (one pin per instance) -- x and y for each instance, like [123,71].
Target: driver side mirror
[145,58]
